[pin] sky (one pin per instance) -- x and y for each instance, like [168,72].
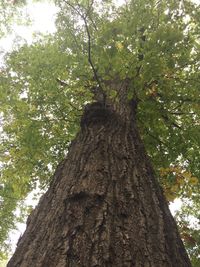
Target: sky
[43,17]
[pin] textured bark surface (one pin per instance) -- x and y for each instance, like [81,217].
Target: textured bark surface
[104,206]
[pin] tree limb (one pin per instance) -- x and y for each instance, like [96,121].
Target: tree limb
[84,18]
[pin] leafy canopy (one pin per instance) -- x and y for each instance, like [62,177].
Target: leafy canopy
[44,87]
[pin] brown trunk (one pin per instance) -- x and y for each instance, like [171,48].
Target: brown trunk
[104,206]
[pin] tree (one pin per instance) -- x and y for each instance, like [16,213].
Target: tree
[136,62]
[104,206]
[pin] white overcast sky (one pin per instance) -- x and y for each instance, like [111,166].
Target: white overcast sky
[43,16]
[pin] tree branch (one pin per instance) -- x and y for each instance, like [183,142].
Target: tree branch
[61,82]
[182,113]
[84,18]
[169,121]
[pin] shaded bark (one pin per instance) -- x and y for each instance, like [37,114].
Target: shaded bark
[104,206]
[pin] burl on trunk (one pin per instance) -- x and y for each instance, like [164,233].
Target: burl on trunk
[104,206]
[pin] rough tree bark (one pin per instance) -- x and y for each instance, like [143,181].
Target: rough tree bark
[104,206]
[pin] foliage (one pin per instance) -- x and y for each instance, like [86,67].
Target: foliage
[188,221]
[11,12]
[178,183]
[44,86]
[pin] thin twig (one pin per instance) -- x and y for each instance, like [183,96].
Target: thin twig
[182,113]
[62,82]
[169,121]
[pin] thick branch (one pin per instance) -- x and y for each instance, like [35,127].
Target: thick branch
[90,60]
[84,18]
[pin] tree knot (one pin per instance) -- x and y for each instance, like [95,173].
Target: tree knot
[96,113]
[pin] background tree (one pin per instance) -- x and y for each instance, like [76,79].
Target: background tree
[155,45]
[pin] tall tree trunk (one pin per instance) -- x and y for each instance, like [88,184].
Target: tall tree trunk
[104,206]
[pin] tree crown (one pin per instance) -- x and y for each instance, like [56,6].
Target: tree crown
[44,87]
